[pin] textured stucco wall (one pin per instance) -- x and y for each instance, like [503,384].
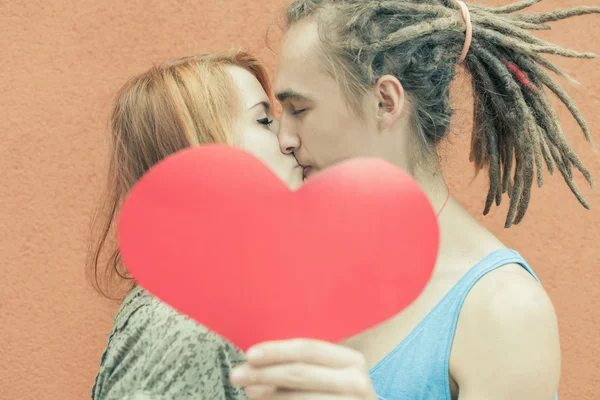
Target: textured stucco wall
[61,63]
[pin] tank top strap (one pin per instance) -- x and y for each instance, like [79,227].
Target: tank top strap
[418,367]
[494,260]
[459,293]
[452,302]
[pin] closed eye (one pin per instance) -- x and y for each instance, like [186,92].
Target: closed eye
[265,121]
[298,112]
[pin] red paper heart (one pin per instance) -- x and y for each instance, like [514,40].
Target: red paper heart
[215,234]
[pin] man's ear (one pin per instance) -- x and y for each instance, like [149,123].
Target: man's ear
[389,92]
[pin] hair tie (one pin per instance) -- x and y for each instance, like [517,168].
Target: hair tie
[467,18]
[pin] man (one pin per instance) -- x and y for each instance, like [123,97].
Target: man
[364,78]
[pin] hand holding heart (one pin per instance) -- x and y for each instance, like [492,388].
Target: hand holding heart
[303,369]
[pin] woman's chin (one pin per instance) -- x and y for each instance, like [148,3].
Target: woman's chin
[295,179]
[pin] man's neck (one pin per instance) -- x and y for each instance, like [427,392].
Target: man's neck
[462,238]
[431,181]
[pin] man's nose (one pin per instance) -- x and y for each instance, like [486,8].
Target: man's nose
[289,141]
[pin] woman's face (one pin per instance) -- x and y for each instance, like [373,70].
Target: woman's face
[256,128]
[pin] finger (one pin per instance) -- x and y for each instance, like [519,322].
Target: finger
[259,392]
[305,351]
[304,377]
[294,395]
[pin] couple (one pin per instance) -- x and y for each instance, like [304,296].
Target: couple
[360,78]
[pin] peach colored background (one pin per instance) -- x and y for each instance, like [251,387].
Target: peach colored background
[63,60]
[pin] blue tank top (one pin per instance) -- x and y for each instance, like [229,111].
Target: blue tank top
[417,369]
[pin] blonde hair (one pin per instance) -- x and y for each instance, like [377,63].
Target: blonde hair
[187,102]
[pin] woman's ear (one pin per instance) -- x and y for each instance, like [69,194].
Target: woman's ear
[390,94]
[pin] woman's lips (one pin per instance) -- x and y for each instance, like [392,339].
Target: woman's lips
[307,171]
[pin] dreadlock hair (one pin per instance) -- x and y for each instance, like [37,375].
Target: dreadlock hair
[516,129]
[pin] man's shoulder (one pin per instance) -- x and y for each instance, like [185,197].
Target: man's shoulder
[506,299]
[507,321]
[507,295]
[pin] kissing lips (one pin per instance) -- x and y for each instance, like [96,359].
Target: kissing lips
[307,171]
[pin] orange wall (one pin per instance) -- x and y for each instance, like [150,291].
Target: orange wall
[63,60]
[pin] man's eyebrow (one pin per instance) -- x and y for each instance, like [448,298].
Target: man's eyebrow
[291,95]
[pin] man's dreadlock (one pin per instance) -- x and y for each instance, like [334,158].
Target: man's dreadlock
[516,129]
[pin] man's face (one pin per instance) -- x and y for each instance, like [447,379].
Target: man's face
[317,125]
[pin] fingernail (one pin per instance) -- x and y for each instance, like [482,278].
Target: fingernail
[255,354]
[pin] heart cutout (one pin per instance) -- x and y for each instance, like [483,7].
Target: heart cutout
[214,233]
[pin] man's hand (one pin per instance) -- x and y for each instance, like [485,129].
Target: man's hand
[303,369]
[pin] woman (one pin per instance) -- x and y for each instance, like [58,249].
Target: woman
[153,352]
